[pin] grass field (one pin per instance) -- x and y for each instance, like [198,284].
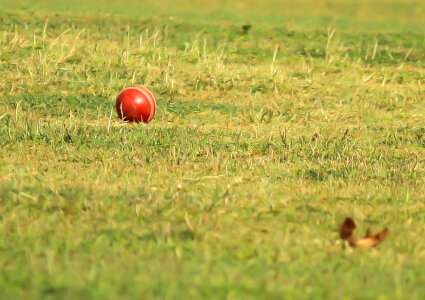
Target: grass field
[276,120]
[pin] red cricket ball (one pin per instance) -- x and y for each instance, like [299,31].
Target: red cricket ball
[136,104]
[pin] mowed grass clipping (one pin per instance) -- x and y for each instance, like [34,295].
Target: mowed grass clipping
[272,127]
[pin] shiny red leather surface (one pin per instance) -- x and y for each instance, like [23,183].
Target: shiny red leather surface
[133,105]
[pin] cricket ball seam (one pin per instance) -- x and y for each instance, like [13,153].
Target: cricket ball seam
[150,98]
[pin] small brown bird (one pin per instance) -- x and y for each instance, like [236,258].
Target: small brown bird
[369,241]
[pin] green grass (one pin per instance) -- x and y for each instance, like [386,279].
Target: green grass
[264,141]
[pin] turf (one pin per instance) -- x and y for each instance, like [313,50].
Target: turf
[276,120]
